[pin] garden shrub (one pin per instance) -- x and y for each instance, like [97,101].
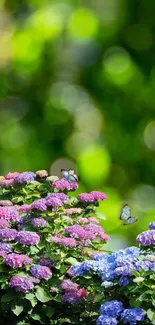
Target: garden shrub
[53,265]
[43,231]
[127,293]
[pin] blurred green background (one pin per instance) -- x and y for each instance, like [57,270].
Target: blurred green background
[77,89]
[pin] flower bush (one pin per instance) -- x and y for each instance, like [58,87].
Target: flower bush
[43,231]
[53,265]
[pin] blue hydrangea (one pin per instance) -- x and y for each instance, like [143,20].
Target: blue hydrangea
[112,308]
[132,315]
[123,281]
[106,320]
[144,265]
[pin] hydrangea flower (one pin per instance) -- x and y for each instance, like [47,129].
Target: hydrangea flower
[132,315]
[152,225]
[5,247]
[39,222]
[93,220]
[20,283]
[98,195]
[64,241]
[4,223]
[63,184]
[61,196]
[68,285]
[41,272]
[42,173]
[82,293]
[73,211]
[8,234]
[24,208]
[17,260]
[6,203]
[11,175]
[79,232]
[24,177]
[54,202]
[106,320]
[27,238]
[7,182]
[146,238]
[86,197]
[112,308]
[3,254]
[71,297]
[123,281]
[39,205]
[46,261]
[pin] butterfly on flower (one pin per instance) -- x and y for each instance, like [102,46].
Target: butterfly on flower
[70,175]
[126,215]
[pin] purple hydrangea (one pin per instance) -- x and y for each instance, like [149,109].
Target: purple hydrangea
[98,195]
[63,184]
[144,265]
[46,261]
[8,234]
[41,272]
[34,280]
[86,197]
[71,297]
[54,202]
[5,247]
[20,283]
[24,208]
[106,320]
[17,260]
[39,205]
[61,196]
[9,214]
[152,225]
[4,223]
[24,177]
[64,241]
[39,222]
[68,285]
[27,238]
[132,315]
[79,232]
[146,238]
[112,308]
[3,254]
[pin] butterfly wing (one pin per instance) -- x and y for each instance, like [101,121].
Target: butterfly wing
[125,213]
[71,172]
[130,221]
[65,173]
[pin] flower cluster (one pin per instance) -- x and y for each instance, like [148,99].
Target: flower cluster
[27,237]
[21,284]
[63,184]
[72,295]
[41,272]
[147,238]
[113,310]
[17,260]
[92,196]
[39,222]
[118,265]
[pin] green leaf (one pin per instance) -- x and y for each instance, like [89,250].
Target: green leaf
[36,317]
[150,314]
[98,297]
[17,309]
[42,295]
[100,215]
[50,312]
[17,199]
[34,250]
[29,296]
[8,297]
[71,260]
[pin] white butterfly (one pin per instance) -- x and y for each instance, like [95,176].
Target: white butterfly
[70,175]
[126,215]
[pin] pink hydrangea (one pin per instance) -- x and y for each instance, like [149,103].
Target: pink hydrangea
[63,184]
[17,260]
[4,223]
[11,175]
[64,241]
[73,211]
[86,197]
[98,195]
